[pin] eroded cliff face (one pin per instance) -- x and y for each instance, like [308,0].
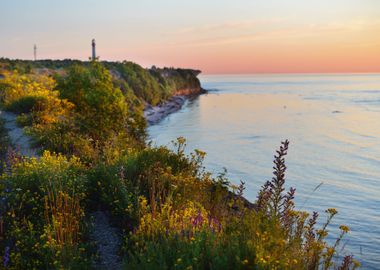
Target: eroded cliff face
[183,82]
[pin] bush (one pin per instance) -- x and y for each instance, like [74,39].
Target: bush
[110,191]
[24,120]
[15,86]
[271,235]
[42,202]
[100,108]
[4,144]
[143,84]
[27,104]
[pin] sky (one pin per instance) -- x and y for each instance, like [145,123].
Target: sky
[215,36]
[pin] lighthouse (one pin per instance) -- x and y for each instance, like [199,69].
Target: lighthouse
[35,52]
[93,50]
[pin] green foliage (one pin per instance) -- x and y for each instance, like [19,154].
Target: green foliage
[42,212]
[142,83]
[4,144]
[100,107]
[174,80]
[173,214]
[24,120]
[89,117]
[29,104]
[110,191]
[35,96]
[192,235]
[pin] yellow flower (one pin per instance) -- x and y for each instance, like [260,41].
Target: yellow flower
[344,228]
[245,262]
[332,211]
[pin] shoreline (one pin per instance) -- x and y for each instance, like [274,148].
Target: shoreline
[154,114]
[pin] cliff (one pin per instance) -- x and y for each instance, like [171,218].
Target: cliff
[151,86]
[183,82]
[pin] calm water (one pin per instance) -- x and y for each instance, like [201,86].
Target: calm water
[333,124]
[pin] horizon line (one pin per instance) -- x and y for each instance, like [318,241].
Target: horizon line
[211,73]
[295,73]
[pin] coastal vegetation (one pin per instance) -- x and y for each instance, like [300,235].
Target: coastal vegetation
[87,119]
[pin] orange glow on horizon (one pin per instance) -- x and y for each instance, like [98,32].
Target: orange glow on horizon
[241,36]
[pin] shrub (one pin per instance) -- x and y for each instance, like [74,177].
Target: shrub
[143,84]
[24,120]
[27,104]
[43,201]
[100,108]
[4,144]
[272,235]
[110,191]
[35,95]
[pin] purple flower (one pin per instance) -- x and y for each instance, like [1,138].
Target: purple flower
[198,220]
[214,224]
[6,257]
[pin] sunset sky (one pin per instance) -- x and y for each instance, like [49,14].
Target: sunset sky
[216,36]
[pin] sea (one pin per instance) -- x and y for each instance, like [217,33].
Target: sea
[333,124]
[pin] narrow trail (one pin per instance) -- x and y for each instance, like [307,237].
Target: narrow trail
[106,237]
[19,139]
[108,242]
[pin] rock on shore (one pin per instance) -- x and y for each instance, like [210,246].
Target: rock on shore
[154,114]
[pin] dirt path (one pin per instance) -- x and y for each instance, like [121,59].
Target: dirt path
[108,242]
[106,237]
[19,140]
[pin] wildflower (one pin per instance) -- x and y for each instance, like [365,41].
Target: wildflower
[179,260]
[332,211]
[263,260]
[198,220]
[322,233]
[245,262]
[356,264]
[344,228]
[6,257]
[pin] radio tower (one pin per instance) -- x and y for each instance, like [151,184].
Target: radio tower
[35,52]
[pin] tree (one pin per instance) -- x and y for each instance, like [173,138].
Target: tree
[100,107]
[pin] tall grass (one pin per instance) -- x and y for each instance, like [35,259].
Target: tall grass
[63,214]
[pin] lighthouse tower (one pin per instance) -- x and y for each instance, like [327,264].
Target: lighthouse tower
[93,50]
[35,52]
